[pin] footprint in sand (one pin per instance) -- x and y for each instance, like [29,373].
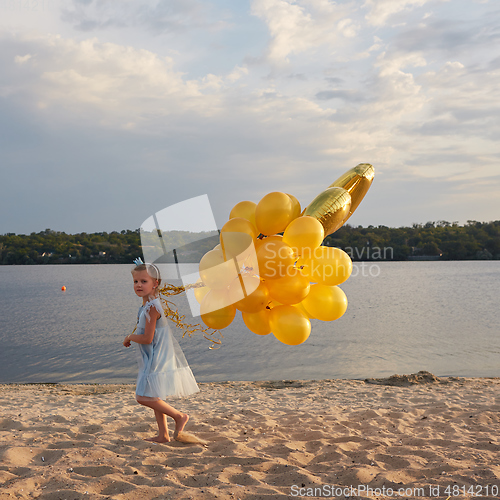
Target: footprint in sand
[90,429]
[57,495]
[117,488]
[48,457]
[8,424]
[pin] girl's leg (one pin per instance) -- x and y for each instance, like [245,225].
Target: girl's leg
[162,407]
[161,420]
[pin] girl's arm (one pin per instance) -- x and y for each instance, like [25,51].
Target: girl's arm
[149,330]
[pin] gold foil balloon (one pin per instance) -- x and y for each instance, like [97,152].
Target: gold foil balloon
[258,322]
[244,209]
[356,182]
[331,208]
[304,233]
[216,310]
[273,213]
[289,325]
[326,265]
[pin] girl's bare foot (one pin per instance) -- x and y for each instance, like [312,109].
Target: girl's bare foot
[158,439]
[180,424]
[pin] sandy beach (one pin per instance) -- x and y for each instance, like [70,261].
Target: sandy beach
[402,437]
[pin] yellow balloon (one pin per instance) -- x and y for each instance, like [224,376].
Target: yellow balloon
[248,294]
[304,233]
[258,243]
[274,237]
[295,207]
[274,303]
[200,292]
[326,303]
[291,289]
[326,265]
[331,208]
[216,310]
[289,325]
[236,237]
[215,271]
[301,308]
[258,322]
[356,182]
[244,209]
[273,213]
[275,258]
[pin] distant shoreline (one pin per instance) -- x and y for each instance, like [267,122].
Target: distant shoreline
[439,240]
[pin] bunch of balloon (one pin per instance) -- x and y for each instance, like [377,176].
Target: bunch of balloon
[270,263]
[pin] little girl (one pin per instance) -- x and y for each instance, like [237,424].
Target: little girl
[163,369]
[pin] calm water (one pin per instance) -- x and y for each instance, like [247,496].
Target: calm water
[402,317]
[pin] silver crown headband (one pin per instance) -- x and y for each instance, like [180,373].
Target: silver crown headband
[139,261]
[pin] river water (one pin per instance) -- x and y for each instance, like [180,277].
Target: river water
[402,317]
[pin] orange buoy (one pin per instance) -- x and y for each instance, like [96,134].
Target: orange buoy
[63,288]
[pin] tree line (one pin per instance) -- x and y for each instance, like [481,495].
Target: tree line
[434,240]
[439,240]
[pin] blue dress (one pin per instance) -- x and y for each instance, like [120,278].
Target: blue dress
[163,369]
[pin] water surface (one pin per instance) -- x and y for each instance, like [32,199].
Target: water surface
[402,317]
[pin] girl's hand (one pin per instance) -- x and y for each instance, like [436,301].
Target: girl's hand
[126,342]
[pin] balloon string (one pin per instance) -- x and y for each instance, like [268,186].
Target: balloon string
[172,312]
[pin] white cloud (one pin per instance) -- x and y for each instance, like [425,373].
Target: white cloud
[237,73]
[398,93]
[347,28]
[299,26]
[109,77]
[22,59]
[377,44]
[465,104]
[381,10]
[331,90]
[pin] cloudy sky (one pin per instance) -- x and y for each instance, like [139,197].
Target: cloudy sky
[111,110]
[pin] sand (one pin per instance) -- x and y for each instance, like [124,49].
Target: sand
[404,437]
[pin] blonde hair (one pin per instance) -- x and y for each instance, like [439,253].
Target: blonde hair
[151,269]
